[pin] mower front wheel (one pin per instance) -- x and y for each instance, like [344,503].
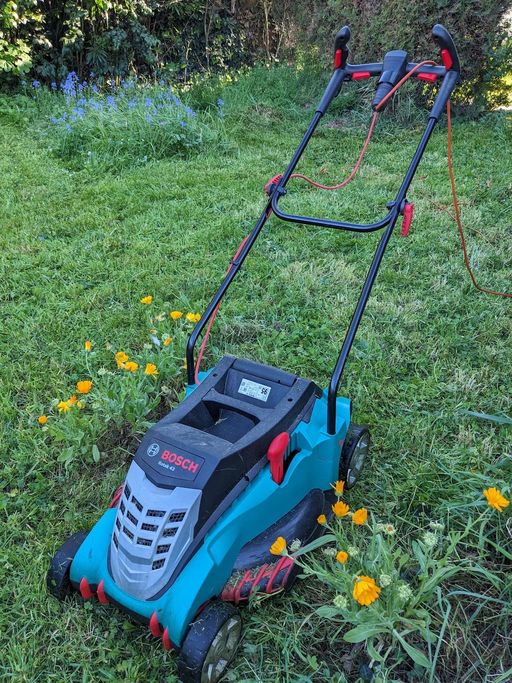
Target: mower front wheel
[210,644]
[354,454]
[57,578]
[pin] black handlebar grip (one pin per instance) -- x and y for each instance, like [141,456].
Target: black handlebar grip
[445,43]
[340,47]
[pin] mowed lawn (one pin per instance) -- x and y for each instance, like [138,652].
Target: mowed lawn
[78,249]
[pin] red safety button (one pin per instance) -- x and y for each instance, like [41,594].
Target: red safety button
[275,455]
[408,214]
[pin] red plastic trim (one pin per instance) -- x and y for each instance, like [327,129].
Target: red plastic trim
[100,591]
[283,562]
[273,181]
[447,59]
[275,455]
[422,76]
[154,626]
[408,214]
[85,590]
[338,56]
[167,642]
[359,75]
[116,497]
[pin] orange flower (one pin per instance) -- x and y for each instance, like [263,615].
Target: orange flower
[360,516]
[84,386]
[72,400]
[321,519]
[147,300]
[175,315]
[340,509]
[342,556]
[121,358]
[365,590]
[167,341]
[131,366]
[495,499]
[42,419]
[151,369]
[338,487]
[88,345]
[278,546]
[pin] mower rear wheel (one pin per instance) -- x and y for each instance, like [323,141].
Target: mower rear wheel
[354,454]
[210,644]
[57,578]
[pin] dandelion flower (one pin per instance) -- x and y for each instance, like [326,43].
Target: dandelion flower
[84,386]
[365,590]
[63,406]
[121,358]
[175,315]
[340,601]
[167,341]
[341,556]
[338,487]
[146,300]
[88,345]
[193,317]
[151,369]
[42,419]
[360,516]
[278,547]
[340,509]
[131,366]
[321,519]
[495,499]
[72,400]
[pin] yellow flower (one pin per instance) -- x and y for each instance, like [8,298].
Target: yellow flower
[338,487]
[360,516]
[147,300]
[340,509]
[278,546]
[131,366]
[342,556]
[72,400]
[495,499]
[151,369]
[175,315]
[321,519]
[63,406]
[88,345]
[365,590]
[80,404]
[121,358]
[193,317]
[42,419]
[84,386]
[167,341]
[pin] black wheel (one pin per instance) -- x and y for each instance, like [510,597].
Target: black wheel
[210,644]
[57,579]
[354,454]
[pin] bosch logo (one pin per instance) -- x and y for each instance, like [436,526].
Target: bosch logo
[153,450]
[185,463]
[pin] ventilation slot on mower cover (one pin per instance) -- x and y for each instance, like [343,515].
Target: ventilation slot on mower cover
[144,541]
[170,532]
[158,564]
[176,516]
[155,513]
[149,527]
[128,533]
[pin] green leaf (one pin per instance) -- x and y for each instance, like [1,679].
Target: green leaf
[363,632]
[96,453]
[327,538]
[373,652]
[328,612]
[499,419]
[416,655]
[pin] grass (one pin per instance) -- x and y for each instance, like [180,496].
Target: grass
[79,246]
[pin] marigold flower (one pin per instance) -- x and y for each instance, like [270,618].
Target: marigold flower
[147,300]
[193,317]
[167,341]
[88,345]
[151,369]
[42,419]
[131,366]
[341,556]
[338,487]
[340,509]
[278,546]
[495,499]
[365,590]
[63,406]
[84,386]
[175,315]
[360,516]
[321,519]
[121,358]
[72,400]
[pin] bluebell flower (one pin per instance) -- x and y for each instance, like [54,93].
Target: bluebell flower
[81,112]
[68,127]
[54,120]
[80,102]
[132,103]
[24,84]
[36,85]
[161,81]
[149,118]
[94,88]
[111,101]
[182,124]
[53,85]
[220,102]
[190,111]
[148,101]
[176,100]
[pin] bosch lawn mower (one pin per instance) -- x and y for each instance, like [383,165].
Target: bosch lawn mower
[249,455]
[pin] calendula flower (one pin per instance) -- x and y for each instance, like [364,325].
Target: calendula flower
[175,315]
[72,400]
[340,601]
[63,406]
[495,499]
[151,369]
[278,546]
[131,366]
[429,539]
[193,317]
[385,580]
[42,419]
[404,591]
[340,509]
[167,341]
[84,386]
[121,358]
[365,590]
[341,556]
[321,519]
[386,528]
[338,487]
[146,300]
[88,345]
[360,516]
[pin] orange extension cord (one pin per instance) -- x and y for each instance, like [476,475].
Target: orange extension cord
[349,178]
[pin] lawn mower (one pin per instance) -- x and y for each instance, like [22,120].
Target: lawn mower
[249,455]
